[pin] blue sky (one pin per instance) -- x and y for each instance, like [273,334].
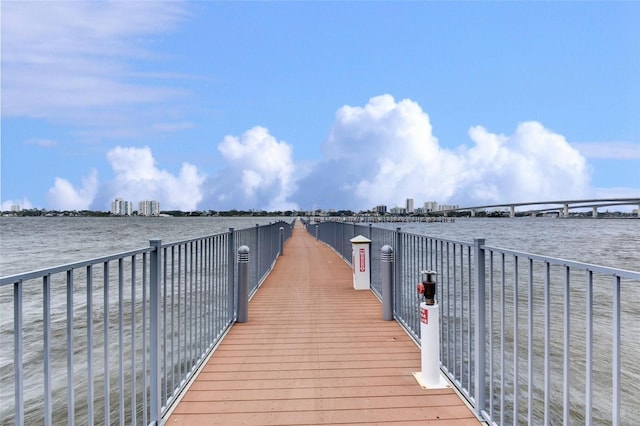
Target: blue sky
[301,105]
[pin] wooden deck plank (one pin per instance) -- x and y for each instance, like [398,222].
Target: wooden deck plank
[315,351]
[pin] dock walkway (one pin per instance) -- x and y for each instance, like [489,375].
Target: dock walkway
[315,351]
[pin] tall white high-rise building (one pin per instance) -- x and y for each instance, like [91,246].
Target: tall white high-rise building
[149,208]
[120,207]
[409,205]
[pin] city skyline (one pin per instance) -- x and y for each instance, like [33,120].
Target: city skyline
[306,105]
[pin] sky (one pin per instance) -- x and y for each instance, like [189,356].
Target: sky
[218,105]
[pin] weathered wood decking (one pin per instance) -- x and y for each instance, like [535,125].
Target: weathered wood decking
[315,351]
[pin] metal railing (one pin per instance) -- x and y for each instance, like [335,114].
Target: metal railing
[525,338]
[114,340]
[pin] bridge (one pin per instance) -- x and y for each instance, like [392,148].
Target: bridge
[561,206]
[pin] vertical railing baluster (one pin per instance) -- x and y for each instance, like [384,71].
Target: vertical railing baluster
[231,254]
[530,344]
[121,339]
[503,320]
[547,343]
[480,332]
[589,349]
[616,364]
[457,336]
[155,266]
[46,317]
[566,364]
[165,368]
[18,339]
[516,339]
[470,315]
[173,331]
[90,344]
[105,331]
[70,351]
[399,282]
[134,405]
[178,303]
[145,364]
[491,339]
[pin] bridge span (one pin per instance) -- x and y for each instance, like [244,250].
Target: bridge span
[561,206]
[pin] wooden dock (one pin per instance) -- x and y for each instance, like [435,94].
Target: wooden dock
[315,351]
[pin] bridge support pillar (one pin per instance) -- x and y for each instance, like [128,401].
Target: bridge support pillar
[595,212]
[473,213]
[565,210]
[512,211]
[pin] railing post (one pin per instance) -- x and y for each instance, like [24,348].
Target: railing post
[398,270]
[281,241]
[480,332]
[154,332]
[243,284]
[258,251]
[386,276]
[231,268]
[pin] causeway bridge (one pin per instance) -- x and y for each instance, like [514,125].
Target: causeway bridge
[263,326]
[560,206]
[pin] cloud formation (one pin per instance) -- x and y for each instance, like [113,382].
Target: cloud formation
[64,196]
[380,153]
[72,61]
[259,173]
[386,151]
[136,178]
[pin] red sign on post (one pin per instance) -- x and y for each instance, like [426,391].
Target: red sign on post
[362,264]
[424,315]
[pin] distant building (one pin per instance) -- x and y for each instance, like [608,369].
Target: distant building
[15,208]
[381,209]
[120,207]
[409,205]
[149,208]
[430,206]
[398,211]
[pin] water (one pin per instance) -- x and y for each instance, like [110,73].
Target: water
[28,244]
[613,243]
[31,243]
[606,242]
[35,243]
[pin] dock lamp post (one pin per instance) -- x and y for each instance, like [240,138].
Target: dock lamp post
[430,376]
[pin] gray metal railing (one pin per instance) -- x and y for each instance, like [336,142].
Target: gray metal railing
[114,340]
[556,337]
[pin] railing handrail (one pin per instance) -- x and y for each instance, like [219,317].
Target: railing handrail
[469,273]
[182,301]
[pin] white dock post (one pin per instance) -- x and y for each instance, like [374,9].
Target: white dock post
[429,377]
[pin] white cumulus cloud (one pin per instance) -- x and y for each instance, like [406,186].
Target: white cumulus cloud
[64,196]
[136,178]
[386,151]
[260,173]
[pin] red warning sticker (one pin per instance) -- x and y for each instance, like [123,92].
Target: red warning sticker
[424,316]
